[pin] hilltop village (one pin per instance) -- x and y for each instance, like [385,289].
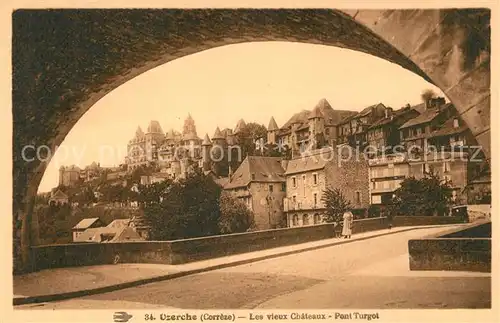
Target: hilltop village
[281,172]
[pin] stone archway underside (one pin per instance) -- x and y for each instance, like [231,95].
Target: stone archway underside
[66,60]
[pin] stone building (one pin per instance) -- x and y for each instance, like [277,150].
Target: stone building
[383,135]
[436,141]
[308,176]
[304,128]
[172,152]
[353,129]
[58,197]
[386,174]
[69,175]
[414,132]
[260,183]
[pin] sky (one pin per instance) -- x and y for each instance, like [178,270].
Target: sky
[219,86]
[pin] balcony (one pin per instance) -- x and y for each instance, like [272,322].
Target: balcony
[289,205]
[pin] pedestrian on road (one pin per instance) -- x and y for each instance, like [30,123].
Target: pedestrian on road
[347,226]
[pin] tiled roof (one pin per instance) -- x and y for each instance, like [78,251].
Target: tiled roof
[426,116]
[59,195]
[362,113]
[257,169]
[85,223]
[119,223]
[447,129]
[307,163]
[395,115]
[115,234]
[222,181]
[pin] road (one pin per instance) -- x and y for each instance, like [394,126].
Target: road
[364,274]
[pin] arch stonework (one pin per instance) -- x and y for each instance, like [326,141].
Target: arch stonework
[64,61]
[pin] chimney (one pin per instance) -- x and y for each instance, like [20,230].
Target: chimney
[428,104]
[388,113]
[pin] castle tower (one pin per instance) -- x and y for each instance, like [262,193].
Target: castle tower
[294,142]
[206,146]
[61,175]
[272,131]
[154,138]
[218,138]
[316,119]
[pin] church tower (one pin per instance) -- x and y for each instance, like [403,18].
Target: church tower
[189,127]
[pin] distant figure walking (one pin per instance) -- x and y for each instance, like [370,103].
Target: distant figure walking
[347,225]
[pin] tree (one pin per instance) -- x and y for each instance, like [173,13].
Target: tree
[425,196]
[185,209]
[234,215]
[335,203]
[248,135]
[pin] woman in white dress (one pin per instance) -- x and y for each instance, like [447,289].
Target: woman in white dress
[347,225]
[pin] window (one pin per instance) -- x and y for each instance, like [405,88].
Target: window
[283,187]
[315,179]
[456,123]
[271,187]
[327,131]
[294,199]
[253,177]
[358,197]
[305,219]
[315,199]
[317,218]
[446,167]
[295,220]
[304,184]
[294,182]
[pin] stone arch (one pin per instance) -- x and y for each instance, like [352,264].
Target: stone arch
[64,61]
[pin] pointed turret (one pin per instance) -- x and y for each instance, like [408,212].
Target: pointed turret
[154,127]
[323,104]
[239,126]
[316,113]
[217,135]
[139,133]
[272,125]
[206,141]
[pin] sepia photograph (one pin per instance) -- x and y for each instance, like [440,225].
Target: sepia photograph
[262,164]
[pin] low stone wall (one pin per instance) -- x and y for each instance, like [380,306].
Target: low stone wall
[478,212]
[403,221]
[189,250]
[462,250]
[365,225]
[88,254]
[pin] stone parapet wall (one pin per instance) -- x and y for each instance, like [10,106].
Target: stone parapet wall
[467,249]
[196,249]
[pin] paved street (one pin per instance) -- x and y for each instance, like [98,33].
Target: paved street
[371,273]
